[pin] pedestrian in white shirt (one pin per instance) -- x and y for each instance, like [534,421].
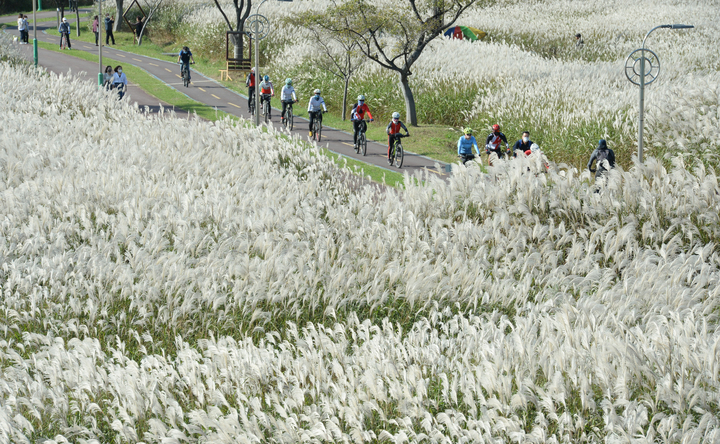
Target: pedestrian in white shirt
[22,27]
[120,79]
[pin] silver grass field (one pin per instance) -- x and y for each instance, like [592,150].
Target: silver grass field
[183,281]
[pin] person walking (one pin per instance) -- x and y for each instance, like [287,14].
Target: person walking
[27,29]
[605,158]
[21,28]
[96,29]
[109,22]
[65,32]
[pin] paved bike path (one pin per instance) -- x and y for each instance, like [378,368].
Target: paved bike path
[212,93]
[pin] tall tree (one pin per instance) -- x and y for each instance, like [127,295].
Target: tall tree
[337,54]
[119,11]
[393,33]
[242,11]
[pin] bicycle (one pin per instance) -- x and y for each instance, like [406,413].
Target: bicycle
[317,126]
[251,103]
[63,41]
[464,158]
[185,73]
[397,153]
[266,106]
[288,119]
[362,138]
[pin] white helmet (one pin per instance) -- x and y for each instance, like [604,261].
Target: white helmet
[361,98]
[64,19]
[396,115]
[317,91]
[534,148]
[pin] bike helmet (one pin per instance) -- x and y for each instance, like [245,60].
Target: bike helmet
[496,128]
[534,148]
[288,82]
[361,98]
[396,115]
[252,70]
[317,91]
[468,131]
[64,19]
[266,78]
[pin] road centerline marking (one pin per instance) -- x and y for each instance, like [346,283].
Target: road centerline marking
[153,64]
[215,96]
[201,89]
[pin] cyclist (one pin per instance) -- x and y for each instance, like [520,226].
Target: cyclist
[392,129]
[287,97]
[357,116]
[250,83]
[316,104]
[184,57]
[492,143]
[523,144]
[64,30]
[465,145]
[266,91]
[120,79]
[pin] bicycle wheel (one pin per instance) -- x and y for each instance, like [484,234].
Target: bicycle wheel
[266,110]
[316,130]
[363,143]
[399,154]
[289,119]
[357,144]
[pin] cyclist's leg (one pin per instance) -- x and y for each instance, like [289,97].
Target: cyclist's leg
[251,95]
[356,127]
[311,120]
[67,36]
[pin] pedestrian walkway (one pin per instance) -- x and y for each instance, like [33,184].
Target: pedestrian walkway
[210,92]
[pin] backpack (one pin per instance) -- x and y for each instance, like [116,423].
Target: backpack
[353,111]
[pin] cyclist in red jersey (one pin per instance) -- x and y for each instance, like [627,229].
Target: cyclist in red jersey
[394,128]
[357,116]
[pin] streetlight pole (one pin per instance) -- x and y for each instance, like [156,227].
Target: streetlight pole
[35,45]
[101,77]
[256,34]
[653,71]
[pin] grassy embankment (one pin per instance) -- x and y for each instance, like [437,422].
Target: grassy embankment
[160,90]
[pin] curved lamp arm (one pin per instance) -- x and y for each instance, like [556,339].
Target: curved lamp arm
[675,26]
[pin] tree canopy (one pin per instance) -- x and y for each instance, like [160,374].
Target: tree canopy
[392,34]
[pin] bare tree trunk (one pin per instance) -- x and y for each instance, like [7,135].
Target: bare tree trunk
[411,115]
[77,16]
[118,15]
[345,93]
